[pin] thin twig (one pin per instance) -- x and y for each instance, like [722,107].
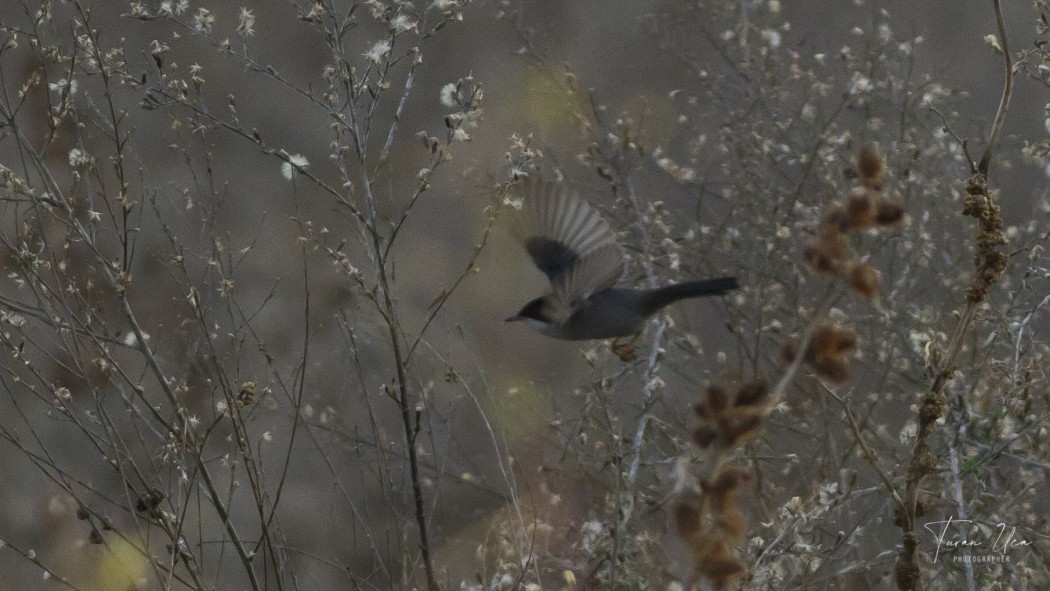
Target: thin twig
[1004,101]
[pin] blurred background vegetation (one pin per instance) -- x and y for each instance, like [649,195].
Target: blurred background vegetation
[256,264]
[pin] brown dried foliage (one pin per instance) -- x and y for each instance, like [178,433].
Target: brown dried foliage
[708,517]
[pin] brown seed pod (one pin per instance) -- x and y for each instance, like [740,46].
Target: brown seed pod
[860,208]
[871,167]
[889,214]
[686,519]
[704,436]
[864,279]
[826,254]
[833,369]
[830,340]
[751,393]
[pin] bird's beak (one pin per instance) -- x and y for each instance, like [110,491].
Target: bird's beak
[515,318]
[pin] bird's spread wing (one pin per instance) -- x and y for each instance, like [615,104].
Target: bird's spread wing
[569,241]
[599,270]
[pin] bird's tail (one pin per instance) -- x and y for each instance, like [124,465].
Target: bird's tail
[690,289]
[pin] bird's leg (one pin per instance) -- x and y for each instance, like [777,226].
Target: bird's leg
[624,348]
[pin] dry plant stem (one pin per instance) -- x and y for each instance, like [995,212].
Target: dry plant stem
[715,459]
[931,407]
[190,435]
[654,352]
[237,422]
[779,391]
[52,575]
[467,270]
[957,492]
[401,389]
[499,444]
[271,151]
[991,452]
[297,408]
[869,454]
[626,482]
[396,121]
[1004,101]
[48,466]
[379,246]
[181,427]
[116,279]
[379,251]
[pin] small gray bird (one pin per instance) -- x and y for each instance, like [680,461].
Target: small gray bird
[577,250]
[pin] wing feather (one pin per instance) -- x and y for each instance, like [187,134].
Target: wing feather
[568,241]
[599,270]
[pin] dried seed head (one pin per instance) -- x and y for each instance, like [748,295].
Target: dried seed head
[733,522]
[889,214]
[921,507]
[717,400]
[686,519]
[704,436]
[827,352]
[728,418]
[932,408]
[871,167]
[864,279]
[731,477]
[246,396]
[835,219]
[860,208]
[718,564]
[826,254]
[989,261]
[830,340]
[740,423]
[833,369]
[751,393]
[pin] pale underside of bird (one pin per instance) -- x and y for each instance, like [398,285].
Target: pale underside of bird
[570,242]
